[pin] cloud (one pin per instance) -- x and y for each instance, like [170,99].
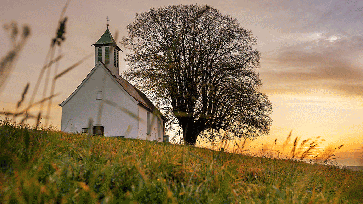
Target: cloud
[329,61]
[286,16]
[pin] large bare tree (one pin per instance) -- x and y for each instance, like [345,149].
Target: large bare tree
[203,65]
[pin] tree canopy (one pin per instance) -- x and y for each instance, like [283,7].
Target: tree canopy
[202,64]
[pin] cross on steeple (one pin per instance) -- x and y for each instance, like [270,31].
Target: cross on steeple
[107,22]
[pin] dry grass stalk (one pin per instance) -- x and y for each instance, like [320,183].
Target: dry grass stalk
[287,141]
[7,65]
[23,95]
[294,148]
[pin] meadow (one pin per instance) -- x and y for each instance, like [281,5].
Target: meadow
[48,166]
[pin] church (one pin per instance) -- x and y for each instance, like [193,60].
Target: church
[115,107]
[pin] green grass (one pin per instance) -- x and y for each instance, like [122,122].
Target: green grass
[44,166]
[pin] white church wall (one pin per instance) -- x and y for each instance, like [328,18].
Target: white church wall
[142,123]
[119,117]
[160,129]
[156,129]
[80,108]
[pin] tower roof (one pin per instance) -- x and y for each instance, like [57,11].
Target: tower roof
[107,39]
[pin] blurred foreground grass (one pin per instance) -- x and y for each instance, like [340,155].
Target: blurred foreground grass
[45,166]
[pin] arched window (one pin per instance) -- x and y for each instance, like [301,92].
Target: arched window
[107,55]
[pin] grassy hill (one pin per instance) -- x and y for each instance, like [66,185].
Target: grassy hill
[54,167]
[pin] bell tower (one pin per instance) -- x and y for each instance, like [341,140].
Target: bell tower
[107,51]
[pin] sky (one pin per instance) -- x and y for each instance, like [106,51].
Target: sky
[311,57]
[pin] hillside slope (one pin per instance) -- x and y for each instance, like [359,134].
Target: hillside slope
[49,166]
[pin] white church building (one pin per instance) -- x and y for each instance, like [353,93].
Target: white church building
[115,107]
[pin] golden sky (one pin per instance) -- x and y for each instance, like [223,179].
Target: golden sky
[311,56]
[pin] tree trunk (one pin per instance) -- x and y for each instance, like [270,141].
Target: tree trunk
[190,132]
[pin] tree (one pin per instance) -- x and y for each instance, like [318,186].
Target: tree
[202,64]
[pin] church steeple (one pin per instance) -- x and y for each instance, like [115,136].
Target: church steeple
[106,51]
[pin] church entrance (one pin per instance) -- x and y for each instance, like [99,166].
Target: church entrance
[98,130]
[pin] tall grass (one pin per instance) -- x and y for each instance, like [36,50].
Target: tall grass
[308,150]
[45,166]
[23,113]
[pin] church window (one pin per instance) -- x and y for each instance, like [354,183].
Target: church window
[84,130]
[99,95]
[148,123]
[107,55]
[100,54]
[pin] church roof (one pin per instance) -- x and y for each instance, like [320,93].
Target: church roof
[107,39]
[134,92]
